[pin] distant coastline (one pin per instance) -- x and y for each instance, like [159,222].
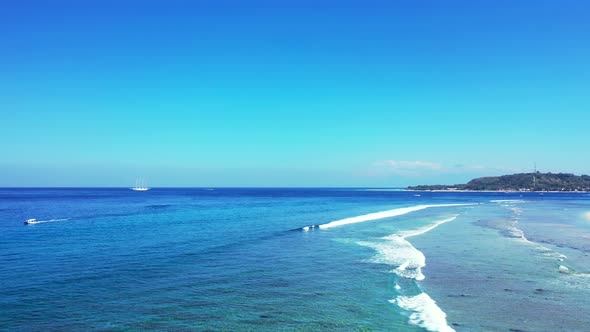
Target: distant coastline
[522,182]
[499,191]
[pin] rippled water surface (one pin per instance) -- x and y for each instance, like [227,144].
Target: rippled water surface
[293,260]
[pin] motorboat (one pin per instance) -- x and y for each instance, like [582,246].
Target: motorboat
[31,221]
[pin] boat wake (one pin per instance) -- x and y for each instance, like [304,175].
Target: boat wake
[35,221]
[379,215]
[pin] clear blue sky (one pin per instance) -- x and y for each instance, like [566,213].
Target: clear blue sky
[291,93]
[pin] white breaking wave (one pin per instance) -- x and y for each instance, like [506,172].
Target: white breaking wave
[513,231]
[399,252]
[384,214]
[425,312]
[406,234]
[547,252]
[382,189]
[508,201]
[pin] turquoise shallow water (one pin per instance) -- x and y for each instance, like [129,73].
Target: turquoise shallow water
[238,259]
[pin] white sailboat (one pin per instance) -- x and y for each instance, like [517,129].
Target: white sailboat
[140,185]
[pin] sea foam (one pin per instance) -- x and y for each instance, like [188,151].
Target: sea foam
[508,201]
[384,214]
[397,251]
[424,312]
[510,229]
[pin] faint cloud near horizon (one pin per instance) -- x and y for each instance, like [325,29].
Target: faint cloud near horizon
[409,164]
[429,168]
[403,168]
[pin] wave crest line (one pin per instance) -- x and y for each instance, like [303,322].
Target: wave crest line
[385,214]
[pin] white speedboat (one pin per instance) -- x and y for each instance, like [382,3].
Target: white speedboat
[33,221]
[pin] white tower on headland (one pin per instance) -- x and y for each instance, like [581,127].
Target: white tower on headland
[535,177]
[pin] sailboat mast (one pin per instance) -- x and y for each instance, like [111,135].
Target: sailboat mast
[140,184]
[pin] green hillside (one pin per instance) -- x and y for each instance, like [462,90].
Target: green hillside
[520,182]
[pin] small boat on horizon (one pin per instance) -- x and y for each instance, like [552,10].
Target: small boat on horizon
[140,185]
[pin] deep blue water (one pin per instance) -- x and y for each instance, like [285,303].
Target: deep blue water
[238,260]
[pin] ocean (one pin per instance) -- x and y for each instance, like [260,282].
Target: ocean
[284,259]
